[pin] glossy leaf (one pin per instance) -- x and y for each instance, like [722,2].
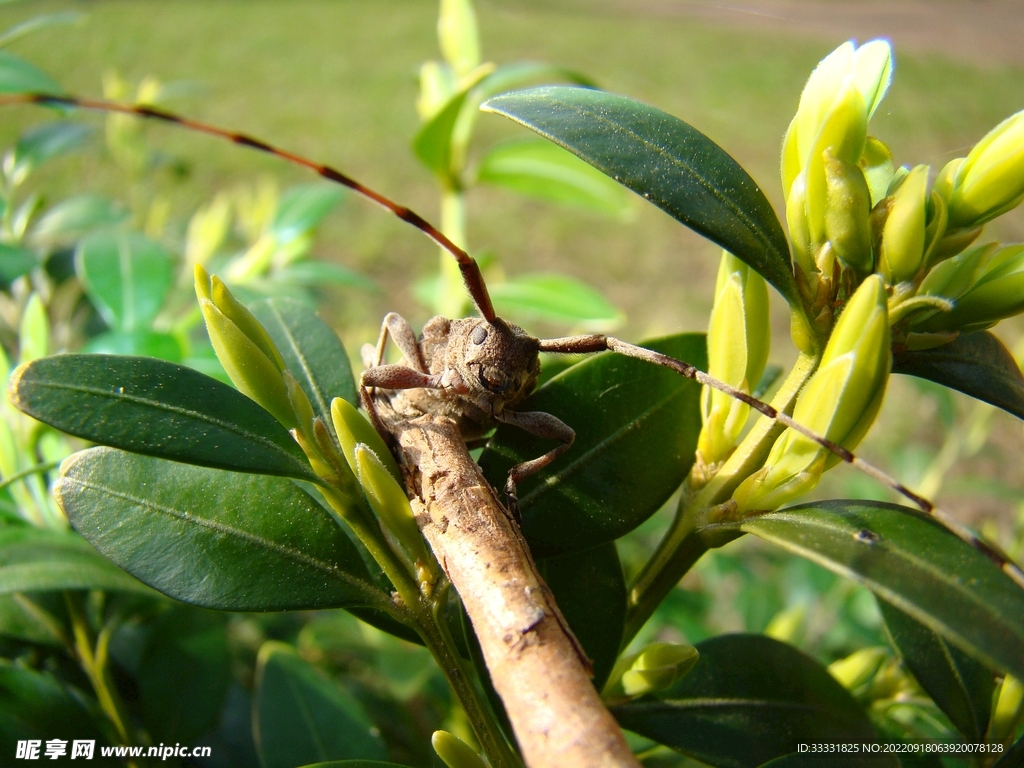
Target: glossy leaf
[544,170]
[157,408]
[311,350]
[302,208]
[913,563]
[976,364]
[959,685]
[590,589]
[217,539]
[556,298]
[667,162]
[15,262]
[18,76]
[636,432]
[748,699]
[302,717]
[126,275]
[184,673]
[77,216]
[35,705]
[48,140]
[39,560]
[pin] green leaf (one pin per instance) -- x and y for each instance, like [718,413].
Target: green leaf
[126,276]
[433,142]
[976,364]
[544,170]
[636,433]
[302,208]
[1014,756]
[802,760]
[556,298]
[959,685]
[141,342]
[590,589]
[157,408]
[184,673]
[667,162]
[35,705]
[18,76]
[38,22]
[39,560]
[217,539]
[15,261]
[521,73]
[301,717]
[913,563]
[77,216]
[24,616]
[311,350]
[44,142]
[355,764]
[318,274]
[749,699]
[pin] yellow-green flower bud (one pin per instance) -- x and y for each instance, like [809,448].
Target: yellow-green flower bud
[738,343]
[903,237]
[878,168]
[847,211]
[388,500]
[839,402]
[1008,713]
[454,752]
[249,356]
[656,668]
[799,232]
[352,428]
[300,404]
[859,667]
[990,181]
[995,280]
[207,230]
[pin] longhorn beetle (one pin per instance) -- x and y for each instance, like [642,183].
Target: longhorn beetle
[476,370]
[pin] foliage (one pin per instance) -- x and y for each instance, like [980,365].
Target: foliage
[276,496]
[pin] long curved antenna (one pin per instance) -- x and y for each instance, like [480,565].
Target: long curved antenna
[467,264]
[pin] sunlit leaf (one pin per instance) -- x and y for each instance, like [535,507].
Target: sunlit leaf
[302,208]
[555,298]
[77,216]
[43,142]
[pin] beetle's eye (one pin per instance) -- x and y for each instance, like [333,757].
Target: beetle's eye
[479,335]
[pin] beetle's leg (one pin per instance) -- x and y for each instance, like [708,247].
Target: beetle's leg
[542,425]
[398,328]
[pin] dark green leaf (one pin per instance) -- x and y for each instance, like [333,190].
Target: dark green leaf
[43,142]
[311,350]
[665,161]
[15,262]
[556,298]
[318,274]
[590,589]
[221,540]
[976,364]
[636,433]
[33,617]
[184,674]
[141,341]
[804,760]
[77,216]
[126,275]
[38,560]
[959,685]
[35,705]
[302,208]
[301,717]
[1014,756]
[158,408]
[749,699]
[544,170]
[913,563]
[355,764]
[18,76]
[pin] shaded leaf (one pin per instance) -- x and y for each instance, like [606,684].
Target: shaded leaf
[301,717]
[126,276]
[43,142]
[15,261]
[1014,756]
[77,216]
[302,208]
[217,539]
[39,560]
[590,589]
[913,563]
[667,162]
[18,76]
[355,764]
[184,674]
[312,351]
[976,364]
[157,408]
[824,761]
[546,171]
[959,685]
[24,616]
[556,298]
[636,433]
[748,699]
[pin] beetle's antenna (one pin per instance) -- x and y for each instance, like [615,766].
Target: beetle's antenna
[467,264]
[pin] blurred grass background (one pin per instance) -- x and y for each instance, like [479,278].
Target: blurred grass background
[336,80]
